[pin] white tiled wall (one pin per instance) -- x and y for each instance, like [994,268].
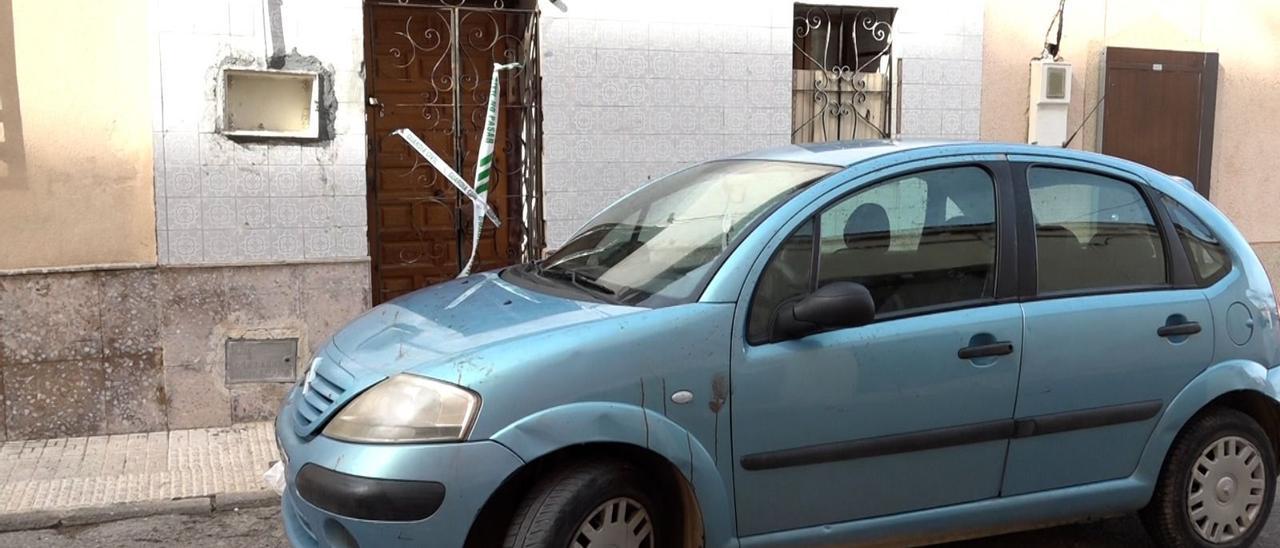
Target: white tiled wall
[632,93]
[635,90]
[222,201]
[940,45]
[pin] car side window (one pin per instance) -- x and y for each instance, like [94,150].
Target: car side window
[1093,233]
[916,242]
[1209,261]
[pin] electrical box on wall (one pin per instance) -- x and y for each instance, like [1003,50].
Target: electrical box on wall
[1050,98]
[270,103]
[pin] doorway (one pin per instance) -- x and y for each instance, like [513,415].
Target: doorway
[428,68]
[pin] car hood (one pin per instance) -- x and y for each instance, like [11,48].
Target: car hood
[424,329]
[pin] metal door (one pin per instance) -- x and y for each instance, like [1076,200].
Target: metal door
[1159,108]
[428,69]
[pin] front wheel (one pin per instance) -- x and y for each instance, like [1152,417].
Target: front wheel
[599,504]
[1217,485]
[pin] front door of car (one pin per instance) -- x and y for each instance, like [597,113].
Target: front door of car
[1114,326]
[911,411]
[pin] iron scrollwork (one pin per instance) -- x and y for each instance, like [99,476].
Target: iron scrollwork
[844,73]
[449,49]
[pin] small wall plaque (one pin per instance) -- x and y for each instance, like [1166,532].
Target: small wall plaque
[261,360]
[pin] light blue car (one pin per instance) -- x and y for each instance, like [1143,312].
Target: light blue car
[865,342]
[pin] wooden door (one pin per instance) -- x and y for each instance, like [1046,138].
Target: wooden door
[1158,110]
[429,70]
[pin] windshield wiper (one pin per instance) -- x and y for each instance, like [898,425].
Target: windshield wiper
[581,282]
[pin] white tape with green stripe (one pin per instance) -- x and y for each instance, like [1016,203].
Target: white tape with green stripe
[449,174]
[484,164]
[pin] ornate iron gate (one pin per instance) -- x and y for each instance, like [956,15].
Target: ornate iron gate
[842,73]
[428,69]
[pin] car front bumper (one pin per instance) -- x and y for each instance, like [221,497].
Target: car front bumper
[391,489]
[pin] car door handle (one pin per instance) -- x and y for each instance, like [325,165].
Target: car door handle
[1179,330]
[1001,348]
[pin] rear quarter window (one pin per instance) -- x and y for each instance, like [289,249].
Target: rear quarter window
[1208,257]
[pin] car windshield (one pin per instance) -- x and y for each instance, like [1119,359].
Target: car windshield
[657,246]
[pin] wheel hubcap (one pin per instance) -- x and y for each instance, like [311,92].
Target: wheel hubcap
[1227,490]
[618,523]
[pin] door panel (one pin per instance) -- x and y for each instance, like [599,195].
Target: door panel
[1088,355]
[898,378]
[1159,110]
[909,412]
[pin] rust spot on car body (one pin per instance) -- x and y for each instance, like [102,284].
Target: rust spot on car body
[719,392]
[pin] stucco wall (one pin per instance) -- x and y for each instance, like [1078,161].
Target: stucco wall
[1244,33]
[85,196]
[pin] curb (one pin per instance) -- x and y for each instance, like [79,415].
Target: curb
[91,515]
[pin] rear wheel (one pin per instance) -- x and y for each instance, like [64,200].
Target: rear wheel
[1217,485]
[599,504]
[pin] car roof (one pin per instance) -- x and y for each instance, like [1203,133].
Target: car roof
[840,153]
[848,153]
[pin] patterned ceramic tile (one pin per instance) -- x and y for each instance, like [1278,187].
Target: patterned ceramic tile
[181,149]
[317,212]
[314,181]
[221,246]
[349,180]
[352,242]
[185,247]
[287,212]
[219,181]
[255,245]
[253,212]
[183,213]
[284,181]
[319,243]
[286,243]
[349,211]
[182,181]
[218,213]
[250,180]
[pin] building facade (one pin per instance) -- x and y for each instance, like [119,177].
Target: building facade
[175,248]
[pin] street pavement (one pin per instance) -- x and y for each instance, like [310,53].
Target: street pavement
[73,474]
[260,528]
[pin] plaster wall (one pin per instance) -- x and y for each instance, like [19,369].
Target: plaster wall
[78,189]
[1246,35]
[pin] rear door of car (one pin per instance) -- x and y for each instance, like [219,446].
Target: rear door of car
[1114,325]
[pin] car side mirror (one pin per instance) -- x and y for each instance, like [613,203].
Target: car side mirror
[833,306]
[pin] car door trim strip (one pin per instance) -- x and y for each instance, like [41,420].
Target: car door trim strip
[941,438]
[1098,417]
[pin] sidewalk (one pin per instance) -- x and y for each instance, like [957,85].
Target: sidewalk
[82,480]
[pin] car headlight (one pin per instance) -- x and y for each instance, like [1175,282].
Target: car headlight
[406,409]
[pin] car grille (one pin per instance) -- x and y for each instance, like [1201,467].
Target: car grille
[329,382]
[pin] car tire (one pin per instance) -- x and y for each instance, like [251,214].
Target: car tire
[589,497]
[1223,458]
